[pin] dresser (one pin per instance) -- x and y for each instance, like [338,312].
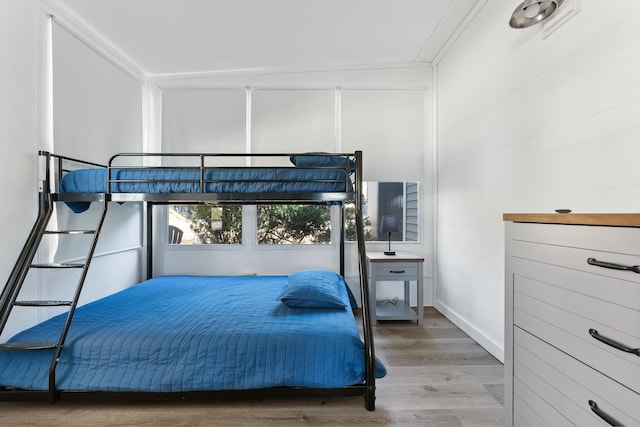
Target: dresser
[572,319]
[405,267]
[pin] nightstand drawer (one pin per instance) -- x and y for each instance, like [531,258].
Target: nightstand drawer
[396,271]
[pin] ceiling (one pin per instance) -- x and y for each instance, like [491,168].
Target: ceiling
[187,36]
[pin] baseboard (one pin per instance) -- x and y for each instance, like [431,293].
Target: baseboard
[475,334]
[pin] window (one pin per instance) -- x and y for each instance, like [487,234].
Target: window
[294,224]
[205,224]
[386,198]
[276,224]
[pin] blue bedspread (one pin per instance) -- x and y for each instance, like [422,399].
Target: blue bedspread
[189,333]
[217,180]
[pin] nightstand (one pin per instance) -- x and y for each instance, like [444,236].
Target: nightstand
[404,267]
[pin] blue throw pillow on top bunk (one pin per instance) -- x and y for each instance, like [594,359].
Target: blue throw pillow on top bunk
[313,288]
[322,161]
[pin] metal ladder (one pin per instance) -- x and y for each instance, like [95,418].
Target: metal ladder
[10,295]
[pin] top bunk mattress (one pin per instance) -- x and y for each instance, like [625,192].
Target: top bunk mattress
[214,180]
[190,333]
[157,180]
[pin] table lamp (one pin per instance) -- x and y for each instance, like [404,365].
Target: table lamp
[389,224]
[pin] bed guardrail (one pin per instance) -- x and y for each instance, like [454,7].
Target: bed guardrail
[59,165]
[216,161]
[204,168]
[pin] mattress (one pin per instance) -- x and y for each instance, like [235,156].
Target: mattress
[216,180]
[190,333]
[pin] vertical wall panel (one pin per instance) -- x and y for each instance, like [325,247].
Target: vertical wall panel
[389,127]
[97,112]
[204,120]
[530,125]
[290,121]
[19,28]
[97,107]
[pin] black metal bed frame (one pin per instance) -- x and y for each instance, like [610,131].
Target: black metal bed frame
[56,166]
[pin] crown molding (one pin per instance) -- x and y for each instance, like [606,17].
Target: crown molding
[84,32]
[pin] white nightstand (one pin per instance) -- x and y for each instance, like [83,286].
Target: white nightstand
[405,267]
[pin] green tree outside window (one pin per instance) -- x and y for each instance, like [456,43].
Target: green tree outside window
[294,224]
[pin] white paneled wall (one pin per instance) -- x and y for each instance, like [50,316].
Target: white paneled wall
[292,121]
[389,127]
[97,106]
[384,113]
[527,124]
[204,120]
[19,130]
[64,92]
[97,112]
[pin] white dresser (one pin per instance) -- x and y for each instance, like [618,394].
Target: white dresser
[572,334]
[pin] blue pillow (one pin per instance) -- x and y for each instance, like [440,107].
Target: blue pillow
[322,161]
[314,288]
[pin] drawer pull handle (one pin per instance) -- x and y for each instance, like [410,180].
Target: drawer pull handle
[615,344]
[614,266]
[396,271]
[606,417]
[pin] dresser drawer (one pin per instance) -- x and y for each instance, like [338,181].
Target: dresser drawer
[568,267]
[396,271]
[564,320]
[559,297]
[552,386]
[621,240]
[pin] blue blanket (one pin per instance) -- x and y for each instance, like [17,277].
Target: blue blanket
[189,333]
[216,180]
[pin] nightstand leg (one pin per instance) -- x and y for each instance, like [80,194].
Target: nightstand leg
[372,296]
[407,292]
[420,292]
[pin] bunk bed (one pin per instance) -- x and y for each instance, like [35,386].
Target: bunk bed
[281,335]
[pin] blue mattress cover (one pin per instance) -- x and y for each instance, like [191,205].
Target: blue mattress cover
[221,180]
[189,333]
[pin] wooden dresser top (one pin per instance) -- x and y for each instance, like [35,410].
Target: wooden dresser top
[610,219]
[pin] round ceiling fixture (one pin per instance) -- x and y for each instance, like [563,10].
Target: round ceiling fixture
[531,12]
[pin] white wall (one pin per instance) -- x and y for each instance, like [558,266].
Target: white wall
[97,106]
[97,112]
[527,124]
[19,125]
[363,114]
[89,122]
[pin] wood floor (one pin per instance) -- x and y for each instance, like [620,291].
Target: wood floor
[437,376]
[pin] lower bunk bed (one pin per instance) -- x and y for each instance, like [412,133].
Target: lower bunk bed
[181,334]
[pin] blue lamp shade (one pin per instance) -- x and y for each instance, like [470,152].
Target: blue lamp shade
[389,224]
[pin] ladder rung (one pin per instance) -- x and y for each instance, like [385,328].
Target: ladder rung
[22,346]
[42,303]
[57,265]
[70,232]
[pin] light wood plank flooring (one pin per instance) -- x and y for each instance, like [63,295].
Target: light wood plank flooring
[437,376]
